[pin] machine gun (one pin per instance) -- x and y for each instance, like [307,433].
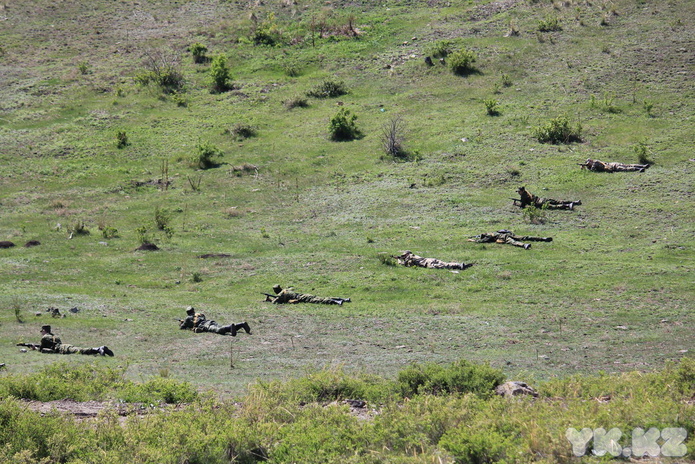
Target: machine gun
[268,295]
[33,346]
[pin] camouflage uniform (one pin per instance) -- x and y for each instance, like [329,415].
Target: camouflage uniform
[197,322]
[288,296]
[600,166]
[409,259]
[52,344]
[529,199]
[508,237]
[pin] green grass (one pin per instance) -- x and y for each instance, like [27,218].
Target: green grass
[318,213]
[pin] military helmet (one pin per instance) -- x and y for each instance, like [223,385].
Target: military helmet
[190,310]
[46,328]
[277,288]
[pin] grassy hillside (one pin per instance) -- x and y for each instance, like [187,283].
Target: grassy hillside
[612,292]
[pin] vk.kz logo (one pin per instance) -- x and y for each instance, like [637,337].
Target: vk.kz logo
[643,442]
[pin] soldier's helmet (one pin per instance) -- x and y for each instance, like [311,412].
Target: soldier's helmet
[504,231]
[190,310]
[277,288]
[46,328]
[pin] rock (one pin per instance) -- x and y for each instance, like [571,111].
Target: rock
[515,388]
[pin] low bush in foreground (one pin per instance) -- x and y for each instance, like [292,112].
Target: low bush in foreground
[308,419]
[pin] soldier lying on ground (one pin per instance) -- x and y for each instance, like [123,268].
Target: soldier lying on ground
[508,237]
[283,296]
[409,259]
[52,344]
[529,199]
[197,322]
[600,166]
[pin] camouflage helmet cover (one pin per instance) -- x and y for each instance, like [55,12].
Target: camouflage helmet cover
[190,310]
[277,288]
[46,328]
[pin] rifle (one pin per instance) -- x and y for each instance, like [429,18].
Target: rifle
[269,295]
[33,346]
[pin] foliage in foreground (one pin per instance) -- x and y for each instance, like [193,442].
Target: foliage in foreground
[303,420]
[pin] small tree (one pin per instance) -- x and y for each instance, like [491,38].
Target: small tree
[205,155]
[392,138]
[558,130]
[198,50]
[220,74]
[461,62]
[342,126]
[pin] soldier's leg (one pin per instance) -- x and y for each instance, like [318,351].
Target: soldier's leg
[530,238]
[511,241]
[64,348]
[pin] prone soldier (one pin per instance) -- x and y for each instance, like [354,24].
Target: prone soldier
[601,166]
[529,199]
[508,237]
[197,322]
[408,259]
[287,295]
[51,343]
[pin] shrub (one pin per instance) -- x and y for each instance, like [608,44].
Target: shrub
[220,74]
[440,49]
[461,62]
[163,70]
[549,24]
[459,377]
[159,390]
[480,446]
[491,106]
[161,218]
[642,152]
[265,32]
[296,102]
[121,139]
[83,67]
[328,89]
[205,155]
[198,51]
[241,131]
[558,130]
[392,138]
[342,126]
[535,215]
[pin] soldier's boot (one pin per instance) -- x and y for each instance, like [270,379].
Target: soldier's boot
[90,351]
[547,239]
[229,329]
[104,351]
[527,246]
[245,326]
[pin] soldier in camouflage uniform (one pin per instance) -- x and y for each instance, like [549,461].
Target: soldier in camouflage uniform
[409,259]
[52,344]
[290,297]
[508,237]
[197,322]
[601,166]
[529,199]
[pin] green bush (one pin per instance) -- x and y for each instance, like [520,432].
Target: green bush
[491,107]
[158,390]
[342,126]
[241,131]
[220,74]
[558,130]
[459,377]
[328,89]
[205,156]
[549,24]
[461,62]
[480,445]
[296,102]
[439,49]
[61,380]
[121,139]
[198,51]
